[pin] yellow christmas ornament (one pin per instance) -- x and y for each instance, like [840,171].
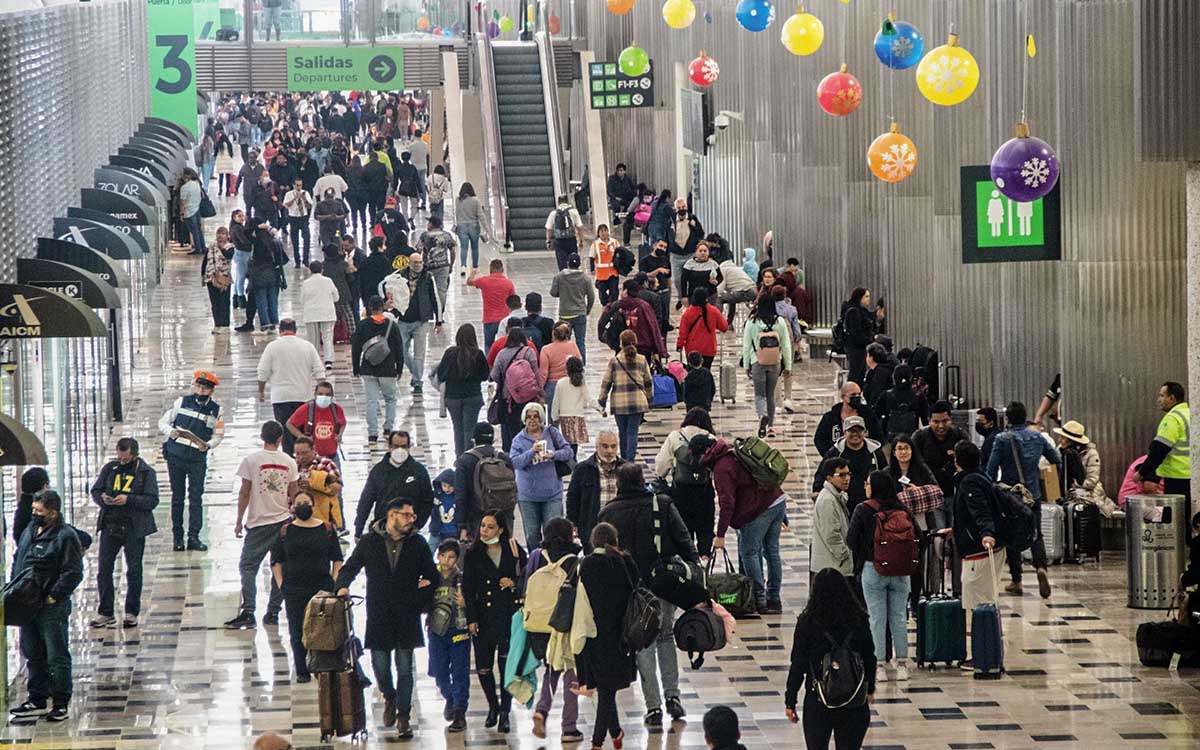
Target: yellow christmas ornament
[948,74]
[679,14]
[803,33]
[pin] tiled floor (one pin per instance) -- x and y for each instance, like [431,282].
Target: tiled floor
[180,681]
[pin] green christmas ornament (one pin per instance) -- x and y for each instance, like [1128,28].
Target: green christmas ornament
[633,61]
[506,24]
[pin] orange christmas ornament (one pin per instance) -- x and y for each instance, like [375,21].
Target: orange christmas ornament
[892,156]
[620,7]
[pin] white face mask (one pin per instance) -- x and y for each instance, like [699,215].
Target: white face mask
[489,542]
[399,455]
[324,402]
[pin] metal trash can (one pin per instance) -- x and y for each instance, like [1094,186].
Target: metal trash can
[1156,544]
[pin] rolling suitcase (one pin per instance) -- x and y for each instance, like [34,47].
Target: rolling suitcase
[1054,532]
[941,621]
[987,635]
[729,383]
[340,704]
[1083,531]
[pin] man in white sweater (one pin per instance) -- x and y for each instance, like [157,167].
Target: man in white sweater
[318,301]
[292,367]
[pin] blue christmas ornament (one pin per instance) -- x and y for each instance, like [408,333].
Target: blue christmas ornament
[899,45]
[708,17]
[755,15]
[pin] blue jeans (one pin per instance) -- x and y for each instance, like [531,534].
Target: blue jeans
[450,666]
[760,539]
[627,434]
[489,334]
[196,231]
[241,262]
[887,604]
[660,659]
[464,414]
[267,302]
[187,477]
[579,334]
[46,648]
[548,392]
[374,387]
[468,236]
[413,341]
[534,515]
[400,690]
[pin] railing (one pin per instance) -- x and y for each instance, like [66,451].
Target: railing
[545,48]
[496,189]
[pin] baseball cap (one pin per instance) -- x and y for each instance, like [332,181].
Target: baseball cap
[573,260]
[205,376]
[851,423]
[390,202]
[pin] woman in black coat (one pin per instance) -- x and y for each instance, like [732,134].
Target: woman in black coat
[492,588]
[266,277]
[605,664]
[860,332]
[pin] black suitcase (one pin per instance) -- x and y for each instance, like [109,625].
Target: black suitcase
[1083,531]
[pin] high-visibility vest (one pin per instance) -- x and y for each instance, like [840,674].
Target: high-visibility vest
[1174,431]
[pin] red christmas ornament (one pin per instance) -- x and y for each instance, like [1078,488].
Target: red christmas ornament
[703,70]
[839,93]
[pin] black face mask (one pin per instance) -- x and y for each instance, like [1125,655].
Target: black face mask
[856,402]
[304,512]
[37,521]
[202,399]
[983,431]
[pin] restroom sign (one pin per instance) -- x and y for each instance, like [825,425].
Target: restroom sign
[996,229]
[612,89]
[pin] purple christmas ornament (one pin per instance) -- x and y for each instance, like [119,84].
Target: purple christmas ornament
[1024,168]
[493,29]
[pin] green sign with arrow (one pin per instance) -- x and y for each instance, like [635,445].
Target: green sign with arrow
[340,68]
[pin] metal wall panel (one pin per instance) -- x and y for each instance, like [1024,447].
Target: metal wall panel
[75,80]
[1167,77]
[1110,316]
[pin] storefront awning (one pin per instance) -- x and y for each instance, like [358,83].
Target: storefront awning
[124,228]
[71,281]
[145,166]
[98,236]
[183,136]
[118,206]
[19,446]
[29,312]
[83,257]
[131,183]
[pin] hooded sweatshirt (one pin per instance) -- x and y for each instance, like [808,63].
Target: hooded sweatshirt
[441,520]
[574,291]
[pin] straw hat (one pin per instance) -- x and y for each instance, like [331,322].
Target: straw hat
[1073,431]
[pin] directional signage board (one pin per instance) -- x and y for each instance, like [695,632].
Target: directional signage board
[996,229]
[70,281]
[172,48]
[340,68]
[612,89]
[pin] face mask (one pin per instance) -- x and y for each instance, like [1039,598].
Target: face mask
[202,398]
[38,521]
[304,512]
[399,455]
[856,402]
[490,542]
[324,402]
[983,431]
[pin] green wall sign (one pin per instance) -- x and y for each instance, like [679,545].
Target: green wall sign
[207,20]
[172,45]
[338,68]
[996,229]
[611,89]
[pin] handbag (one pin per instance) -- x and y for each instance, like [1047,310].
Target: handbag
[341,331]
[207,209]
[281,277]
[24,599]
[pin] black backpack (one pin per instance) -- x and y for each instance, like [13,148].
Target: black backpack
[612,323]
[643,617]
[838,346]
[623,261]
[840,678]
[533,334]
[563,226]
[688,472]
[901,414]
[924,364]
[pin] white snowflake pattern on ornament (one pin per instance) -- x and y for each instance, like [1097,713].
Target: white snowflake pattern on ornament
[1035,171]
[710,70]
[902,48]
[899,161]
[947,74]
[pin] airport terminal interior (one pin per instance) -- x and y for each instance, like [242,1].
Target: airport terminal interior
[940,211]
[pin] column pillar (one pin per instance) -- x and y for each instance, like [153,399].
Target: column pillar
[437,126]
[1193,311]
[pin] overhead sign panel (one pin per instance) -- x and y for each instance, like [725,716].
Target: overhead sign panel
[127,183]
[997,229]
[98,236]
[172,45]
[18,445]
[29,312]
[71,281]
[123,207]
[337,68]
[611,89]
[83,257]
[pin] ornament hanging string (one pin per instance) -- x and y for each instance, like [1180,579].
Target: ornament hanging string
[1025,62]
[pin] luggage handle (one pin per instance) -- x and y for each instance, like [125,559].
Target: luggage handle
[995,587]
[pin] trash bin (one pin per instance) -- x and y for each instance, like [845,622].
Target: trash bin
[1156,536]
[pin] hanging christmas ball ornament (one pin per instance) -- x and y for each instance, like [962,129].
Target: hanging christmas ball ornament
[899,45]
[703,70]
[633,61]
[679,14]
[620,7]
[892,156]
[554,24]
[1025,168]
[507,24]
[436,31]
[948,75]
[839,93]
[423,23]
[493,29]
[802,33]
[449,32]
[754,15]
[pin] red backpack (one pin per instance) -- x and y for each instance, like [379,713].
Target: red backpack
[895,542]
[520,382]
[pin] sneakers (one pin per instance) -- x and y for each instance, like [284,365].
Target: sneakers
[1043,583]
[244,621]
[762,427]
[788,406]
[248,328]
[901,673]
[195,545]
[539,726]
[1014,588]
[570,736]
[458,723]
[372,440]
[103,621]
[389,712]
[967,665]
[416,388]
[130,621]
[774,607]
[881,674]
[403,728]
[303,678]
[58,713]
[28,709]
[675,709]
[328,367]
[653,718]
[271,618]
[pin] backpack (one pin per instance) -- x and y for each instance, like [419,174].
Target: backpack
[840,677]
[697,631]
[542,593]
[767,349]
[838,346]
[406,181]
[376,351]
[901,416]
[564,228]
[924,364]
[520,382]
[533,335]
[895,550]
[494,484]
[688,472]
[1015,522]
[623,261]
[440,617]
[766,464]
[612,324]
[326,621]
[643,619]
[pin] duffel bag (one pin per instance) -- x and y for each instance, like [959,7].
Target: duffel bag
[733,591]
[698,631]
[679,582]
[1157,642]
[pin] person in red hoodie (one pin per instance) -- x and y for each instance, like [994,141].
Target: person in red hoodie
[699,326]
[639,317]
[756,511]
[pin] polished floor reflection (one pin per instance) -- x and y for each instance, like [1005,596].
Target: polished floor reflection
[180,681]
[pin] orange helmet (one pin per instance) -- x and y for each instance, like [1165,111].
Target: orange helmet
[205,376]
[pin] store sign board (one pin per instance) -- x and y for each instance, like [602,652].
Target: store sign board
[123,228]
[101,237]
[18,445]
[30,312]
[70,281]
[996,229]
[129,210]
[172,49]
[83,257]
[126,183]
[163,193]
[144,166]
[340,68]
[609,88]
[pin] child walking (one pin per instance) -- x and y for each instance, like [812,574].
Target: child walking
[449,641]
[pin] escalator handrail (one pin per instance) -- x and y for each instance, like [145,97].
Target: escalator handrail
[545,47]
[496,188]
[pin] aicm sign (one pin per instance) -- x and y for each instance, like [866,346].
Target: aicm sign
[341,68]
[996,229]
[612,89]
[18,320]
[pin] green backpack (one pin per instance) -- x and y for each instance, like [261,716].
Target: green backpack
[766,464]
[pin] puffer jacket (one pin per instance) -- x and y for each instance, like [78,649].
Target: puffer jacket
[740,497]
[386,482]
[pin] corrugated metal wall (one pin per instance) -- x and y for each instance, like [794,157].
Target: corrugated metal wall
[74,82]
[1110,316]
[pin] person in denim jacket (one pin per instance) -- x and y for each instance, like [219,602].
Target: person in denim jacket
[1031,447]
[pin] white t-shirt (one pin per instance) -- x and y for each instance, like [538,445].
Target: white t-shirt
[328,182]
[291,366]
[576,221]
[297,208]
[269,474]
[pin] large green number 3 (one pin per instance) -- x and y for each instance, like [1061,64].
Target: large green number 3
[174,44]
